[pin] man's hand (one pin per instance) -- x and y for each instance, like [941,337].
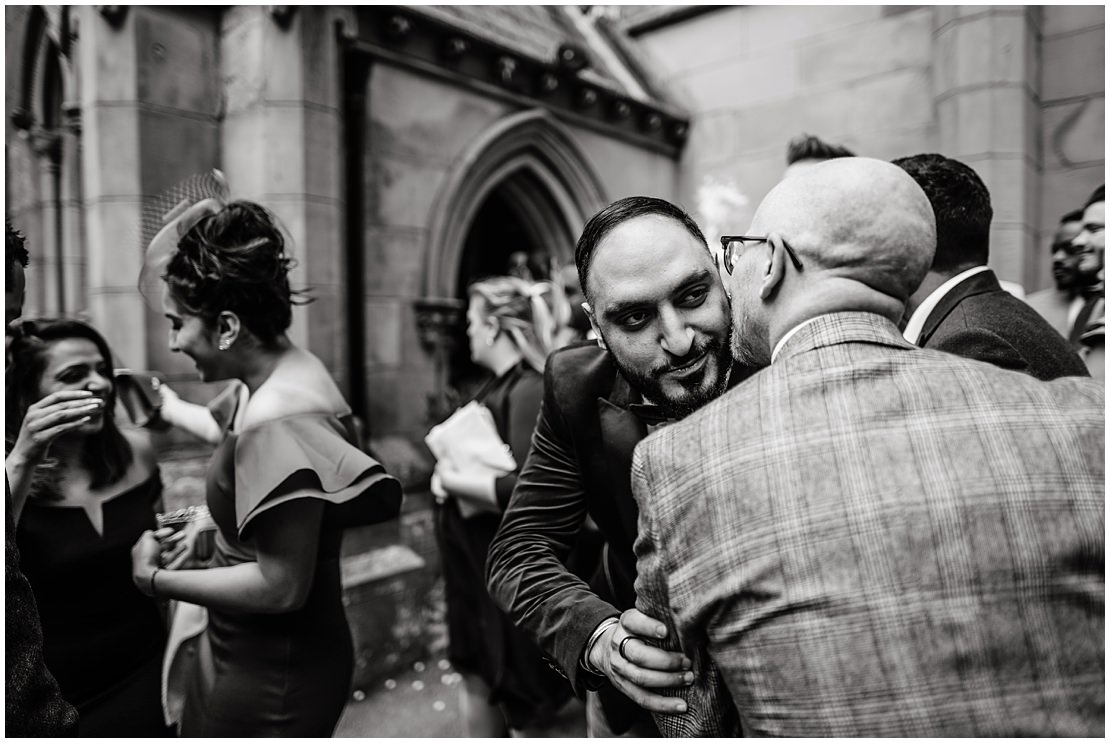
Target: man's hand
[642,666]
[49,418]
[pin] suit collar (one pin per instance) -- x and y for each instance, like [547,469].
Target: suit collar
[978,283]
[843,327]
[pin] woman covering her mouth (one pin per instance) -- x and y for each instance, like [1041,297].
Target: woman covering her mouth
[94,491]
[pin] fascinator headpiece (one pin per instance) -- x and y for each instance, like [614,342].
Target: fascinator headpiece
[193,199]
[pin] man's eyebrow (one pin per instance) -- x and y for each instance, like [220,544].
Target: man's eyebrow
[619,308]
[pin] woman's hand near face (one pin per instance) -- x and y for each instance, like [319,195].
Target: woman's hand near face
[52,416]
[57,413]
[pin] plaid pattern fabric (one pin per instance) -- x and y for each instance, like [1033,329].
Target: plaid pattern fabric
[869,540]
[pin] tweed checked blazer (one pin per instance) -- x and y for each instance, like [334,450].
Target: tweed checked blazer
[874,540]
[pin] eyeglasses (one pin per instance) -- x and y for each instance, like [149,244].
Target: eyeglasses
[728,254]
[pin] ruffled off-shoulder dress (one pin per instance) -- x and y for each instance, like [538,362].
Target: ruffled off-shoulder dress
[286,674]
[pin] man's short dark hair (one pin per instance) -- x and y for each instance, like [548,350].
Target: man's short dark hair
[602,223]
[809,147]
[962,206]
[15,250]
[1076,215]
[1097,196]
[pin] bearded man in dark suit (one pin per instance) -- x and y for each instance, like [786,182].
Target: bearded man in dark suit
[960,306]
[866,538]
[657,305]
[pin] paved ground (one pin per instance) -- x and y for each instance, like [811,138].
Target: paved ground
[423,702]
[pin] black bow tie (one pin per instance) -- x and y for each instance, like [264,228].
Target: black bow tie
[652,415]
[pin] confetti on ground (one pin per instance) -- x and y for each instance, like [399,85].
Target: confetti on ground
[359,695]
[444,664]
[390,684]
[439,706]
[418,667]
[447,679]
[418,685]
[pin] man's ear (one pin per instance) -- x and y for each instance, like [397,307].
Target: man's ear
[593,324]
[776,267]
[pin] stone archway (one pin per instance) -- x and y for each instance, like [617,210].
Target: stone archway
[559,193]
[530,164]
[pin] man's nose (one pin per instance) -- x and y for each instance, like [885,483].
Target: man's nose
[678,337]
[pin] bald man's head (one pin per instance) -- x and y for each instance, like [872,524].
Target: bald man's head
[855,218]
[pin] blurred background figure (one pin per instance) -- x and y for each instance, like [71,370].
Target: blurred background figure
[95,493]
[806,150]
[960,306]
[281,489]
[1088,333]
[576,325]
[1060,304]
[506,684]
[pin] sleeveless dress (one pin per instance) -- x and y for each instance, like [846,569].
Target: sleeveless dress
[287,674]
[102,638]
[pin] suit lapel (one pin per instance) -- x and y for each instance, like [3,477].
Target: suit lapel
[981,283]
[621,430]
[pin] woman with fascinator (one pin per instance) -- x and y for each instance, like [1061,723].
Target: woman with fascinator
[281,488]
[507,687]
[94,489]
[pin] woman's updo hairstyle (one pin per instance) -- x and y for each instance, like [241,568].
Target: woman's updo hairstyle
[235,261]
[523,309]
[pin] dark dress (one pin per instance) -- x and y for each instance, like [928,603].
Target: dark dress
[284,675]
[483,641]
[103,639]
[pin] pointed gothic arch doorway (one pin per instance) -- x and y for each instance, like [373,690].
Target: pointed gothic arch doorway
[518,197]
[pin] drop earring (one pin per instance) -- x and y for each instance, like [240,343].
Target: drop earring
[490,339]
[224,345]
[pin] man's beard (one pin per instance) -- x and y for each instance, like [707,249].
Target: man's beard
[748,349]
[696,392]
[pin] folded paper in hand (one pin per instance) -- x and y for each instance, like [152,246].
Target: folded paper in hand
[468,438]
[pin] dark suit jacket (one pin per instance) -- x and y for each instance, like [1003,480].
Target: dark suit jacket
[980,320]
[870,539]
[578,465]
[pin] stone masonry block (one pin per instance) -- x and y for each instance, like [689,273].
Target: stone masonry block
[401,193]
[857,52]
[1074,133]
[111,228]
[1074,65]
[1012,183]
[712,138]
[640,172]
[119,318]
[383,333]
[243,63]
[773,124]
[1062,19]
[285,148]
[747,81]
[421,120]
[989,49]
[323,148]
[111,151]
[1001,120]
[244,153]
[323,254]
[897,99]
[718,37]
[177,66]
[773,26]
[394,265]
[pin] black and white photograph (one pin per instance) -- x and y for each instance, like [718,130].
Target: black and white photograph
[555,371]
